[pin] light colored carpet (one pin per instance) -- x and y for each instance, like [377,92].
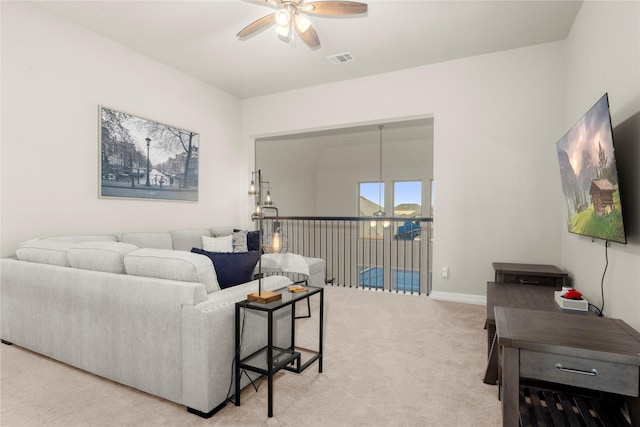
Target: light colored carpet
[390,360]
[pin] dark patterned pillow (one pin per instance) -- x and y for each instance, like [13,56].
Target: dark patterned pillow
[239,240]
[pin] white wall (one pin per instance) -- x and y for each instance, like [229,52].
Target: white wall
[603,55]
[496,117]
[343,168]
[54,76]
[312,179]
[290,167]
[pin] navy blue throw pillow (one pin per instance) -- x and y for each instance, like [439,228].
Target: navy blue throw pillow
[253,240]
[232,268]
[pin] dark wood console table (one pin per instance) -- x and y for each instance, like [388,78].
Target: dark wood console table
[590,352]
[529,274]
[509,295]
[530,336]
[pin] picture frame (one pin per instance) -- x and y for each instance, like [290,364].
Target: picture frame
[144,159]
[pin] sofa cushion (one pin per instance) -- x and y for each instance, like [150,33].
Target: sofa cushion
[232,268]
[172,265]
[45,251]
[53,250]
[100,256]
[148,240]
[184,240]
[316,265]
[76,239]
[221,231]
[218,244]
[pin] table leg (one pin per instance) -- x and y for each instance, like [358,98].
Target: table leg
[293,326]
[633,403]
[237,364]
[321,318]
[270,365]
[491,373]
[510,386]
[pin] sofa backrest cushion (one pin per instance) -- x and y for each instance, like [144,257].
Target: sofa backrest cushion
[53,250]
[222,231]
[184,240]
[232,268]
[45,251]
[217,244]
[77,239]
[159,240]
[100,256]
[172,265]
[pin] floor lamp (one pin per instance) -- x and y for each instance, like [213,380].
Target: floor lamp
[256,190]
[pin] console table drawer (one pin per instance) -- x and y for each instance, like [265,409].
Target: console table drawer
[526,279]
[593,374]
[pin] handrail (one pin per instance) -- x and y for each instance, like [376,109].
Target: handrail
[353,218]
[359,252]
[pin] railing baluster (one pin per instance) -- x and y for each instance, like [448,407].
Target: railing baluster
[371,266]
[420,243]
[397,261]
[404,267]
[361,257]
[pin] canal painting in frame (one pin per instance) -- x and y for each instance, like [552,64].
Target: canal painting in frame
[144,159]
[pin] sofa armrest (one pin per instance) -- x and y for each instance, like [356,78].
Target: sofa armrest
[315,276]
[238,293]
[208,341]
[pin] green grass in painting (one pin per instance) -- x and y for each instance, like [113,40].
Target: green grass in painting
[608,227]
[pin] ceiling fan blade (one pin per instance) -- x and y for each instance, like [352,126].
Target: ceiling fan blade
[309,35]
[334,8]
[271,3]
[258,25]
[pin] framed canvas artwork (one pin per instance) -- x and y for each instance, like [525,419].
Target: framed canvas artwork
[144,159]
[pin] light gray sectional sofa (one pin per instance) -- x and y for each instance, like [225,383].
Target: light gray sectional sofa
[139,309]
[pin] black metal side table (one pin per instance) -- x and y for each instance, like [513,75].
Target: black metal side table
[270,359]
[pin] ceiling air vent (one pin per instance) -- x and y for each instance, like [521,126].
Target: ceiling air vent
[341,58]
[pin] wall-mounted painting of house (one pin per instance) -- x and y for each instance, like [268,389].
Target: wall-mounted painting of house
[589,176]
[602,196]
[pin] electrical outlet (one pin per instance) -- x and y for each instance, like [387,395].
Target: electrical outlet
[445,271]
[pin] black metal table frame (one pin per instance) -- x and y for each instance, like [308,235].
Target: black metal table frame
[289,355]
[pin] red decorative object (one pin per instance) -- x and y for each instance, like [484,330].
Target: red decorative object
[572,294]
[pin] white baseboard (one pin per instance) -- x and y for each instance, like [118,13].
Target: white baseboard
[455,297]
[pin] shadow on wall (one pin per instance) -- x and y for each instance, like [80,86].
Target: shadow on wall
[626,139]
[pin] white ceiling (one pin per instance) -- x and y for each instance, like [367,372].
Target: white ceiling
[199,37]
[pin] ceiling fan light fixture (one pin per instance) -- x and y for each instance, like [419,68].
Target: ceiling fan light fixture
[283,31]
[283,18]
[303,23]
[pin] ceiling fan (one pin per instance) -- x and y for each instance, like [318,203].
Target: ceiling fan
[290,16]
